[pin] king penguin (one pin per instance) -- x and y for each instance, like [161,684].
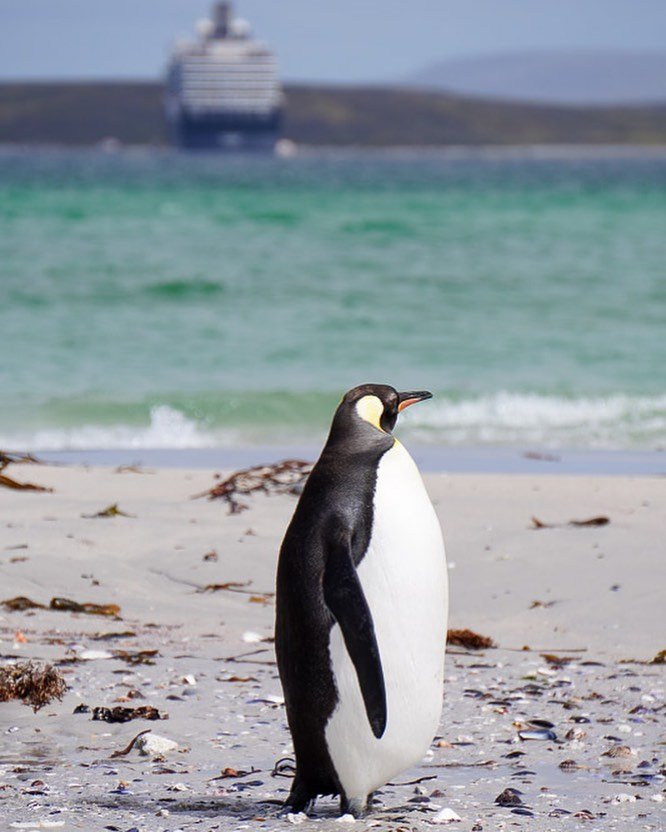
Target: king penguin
[362,604]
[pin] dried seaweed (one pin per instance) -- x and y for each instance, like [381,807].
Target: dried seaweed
[589,522]
[230,772]
[21,603]
[111,636]
[230,586]
[16,457]
[557,661]
[109,511]
[286,477]
[67,605]
[469,639]
[120,713]
[6,459]
[660,658]
[135,657]
[33,684]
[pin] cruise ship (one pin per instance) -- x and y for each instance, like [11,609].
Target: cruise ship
[223,90]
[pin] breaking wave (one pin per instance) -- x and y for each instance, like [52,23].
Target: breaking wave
[617,421]
[168,428]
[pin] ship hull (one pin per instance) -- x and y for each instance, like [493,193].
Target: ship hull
[227,132]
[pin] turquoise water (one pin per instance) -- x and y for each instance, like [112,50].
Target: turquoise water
[152,299]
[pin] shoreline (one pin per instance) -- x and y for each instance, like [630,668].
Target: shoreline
[429,458]
[538,150]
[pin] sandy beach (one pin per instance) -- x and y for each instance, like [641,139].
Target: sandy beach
[576,611]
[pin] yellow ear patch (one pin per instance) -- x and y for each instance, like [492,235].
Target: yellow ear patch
[371,409]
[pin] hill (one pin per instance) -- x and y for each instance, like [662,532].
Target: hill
[564,77]
[86,113]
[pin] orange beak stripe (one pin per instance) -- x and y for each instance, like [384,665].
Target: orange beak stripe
[406,403]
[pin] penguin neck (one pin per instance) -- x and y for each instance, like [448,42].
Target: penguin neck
[350,433]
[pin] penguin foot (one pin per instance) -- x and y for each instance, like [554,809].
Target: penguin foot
[354,806]
[289,809]
[300,800]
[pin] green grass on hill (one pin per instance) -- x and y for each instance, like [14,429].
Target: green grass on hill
[88,112]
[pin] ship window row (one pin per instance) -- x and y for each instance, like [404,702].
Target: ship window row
[197,101]
[226,86]
[217,60]
[247,109]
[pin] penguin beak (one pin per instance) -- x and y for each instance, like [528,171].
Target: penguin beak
[406,399]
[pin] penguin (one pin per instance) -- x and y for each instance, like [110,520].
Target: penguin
[361,609]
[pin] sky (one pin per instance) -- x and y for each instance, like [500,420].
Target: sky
[334,40]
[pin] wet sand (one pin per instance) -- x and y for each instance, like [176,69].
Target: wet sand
[591,597]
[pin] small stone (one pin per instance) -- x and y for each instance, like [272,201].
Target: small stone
[153,745]
[623,797]
[189,679]
[346,819]
[446,816]
[253,638]
[509,797]
[91,655]
[619,751]
[569,765]
[296,818]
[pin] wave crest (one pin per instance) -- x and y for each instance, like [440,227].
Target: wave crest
[617,421]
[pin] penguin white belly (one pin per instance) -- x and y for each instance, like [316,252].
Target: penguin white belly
[404,579]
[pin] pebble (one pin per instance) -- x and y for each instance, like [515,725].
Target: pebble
[619,751]
[296,819]
[152,745]
[346,819]
[91,655]
[253,638]
[446,816]
[623,797]
[509,797]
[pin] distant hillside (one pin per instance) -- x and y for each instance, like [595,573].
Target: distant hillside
[86,113]
[573,77]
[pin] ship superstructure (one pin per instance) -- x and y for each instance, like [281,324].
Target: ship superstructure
[223,90]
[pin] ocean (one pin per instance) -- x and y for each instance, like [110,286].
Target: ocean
[155,300]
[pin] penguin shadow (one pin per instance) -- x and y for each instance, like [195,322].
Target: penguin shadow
[241,808]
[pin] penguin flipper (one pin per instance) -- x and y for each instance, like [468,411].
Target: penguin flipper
[344,597]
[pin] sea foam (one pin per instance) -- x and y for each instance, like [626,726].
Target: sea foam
[506,418]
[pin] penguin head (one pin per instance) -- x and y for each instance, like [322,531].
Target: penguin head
[378,404]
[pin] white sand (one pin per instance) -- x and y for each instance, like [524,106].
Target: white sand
[600,592]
